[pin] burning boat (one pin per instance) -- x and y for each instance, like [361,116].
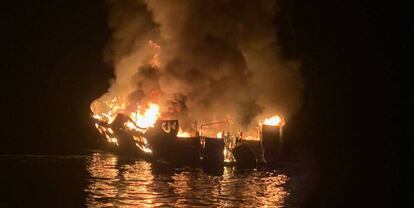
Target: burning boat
[132,122]
[163,141]
[170,72]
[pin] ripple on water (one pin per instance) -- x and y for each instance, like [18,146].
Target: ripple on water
[118,183]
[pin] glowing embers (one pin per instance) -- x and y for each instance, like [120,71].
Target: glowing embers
[108,133]
[132,126]
[273,121]
[141,143]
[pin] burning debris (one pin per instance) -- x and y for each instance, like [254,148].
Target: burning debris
[194,62]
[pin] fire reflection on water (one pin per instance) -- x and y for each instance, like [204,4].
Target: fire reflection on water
[113,182]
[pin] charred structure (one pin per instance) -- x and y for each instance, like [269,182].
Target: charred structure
[162,143]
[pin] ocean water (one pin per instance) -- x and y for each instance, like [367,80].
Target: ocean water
[106,180]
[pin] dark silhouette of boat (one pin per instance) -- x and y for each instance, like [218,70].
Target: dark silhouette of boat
[160,143]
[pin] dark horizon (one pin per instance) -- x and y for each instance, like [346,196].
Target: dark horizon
[350,118]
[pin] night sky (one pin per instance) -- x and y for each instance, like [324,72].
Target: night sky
[52,68]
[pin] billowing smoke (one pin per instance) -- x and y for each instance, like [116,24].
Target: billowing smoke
[215,59]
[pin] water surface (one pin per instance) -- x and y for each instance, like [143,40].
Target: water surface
[106,180]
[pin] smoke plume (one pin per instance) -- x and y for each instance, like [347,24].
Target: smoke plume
[215,59]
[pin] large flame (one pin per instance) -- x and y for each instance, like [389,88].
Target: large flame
[141,115]
[139,118]
[273,121]
[148,118]
[106,108]
[140,121]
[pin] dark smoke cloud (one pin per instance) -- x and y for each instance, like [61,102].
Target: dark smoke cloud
[218,58]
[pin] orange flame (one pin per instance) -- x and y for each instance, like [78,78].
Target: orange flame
[273,121]
[155,62]
[110,106]
[251,138]
[148,118]
[182,133]
[139,121]
[144,116]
